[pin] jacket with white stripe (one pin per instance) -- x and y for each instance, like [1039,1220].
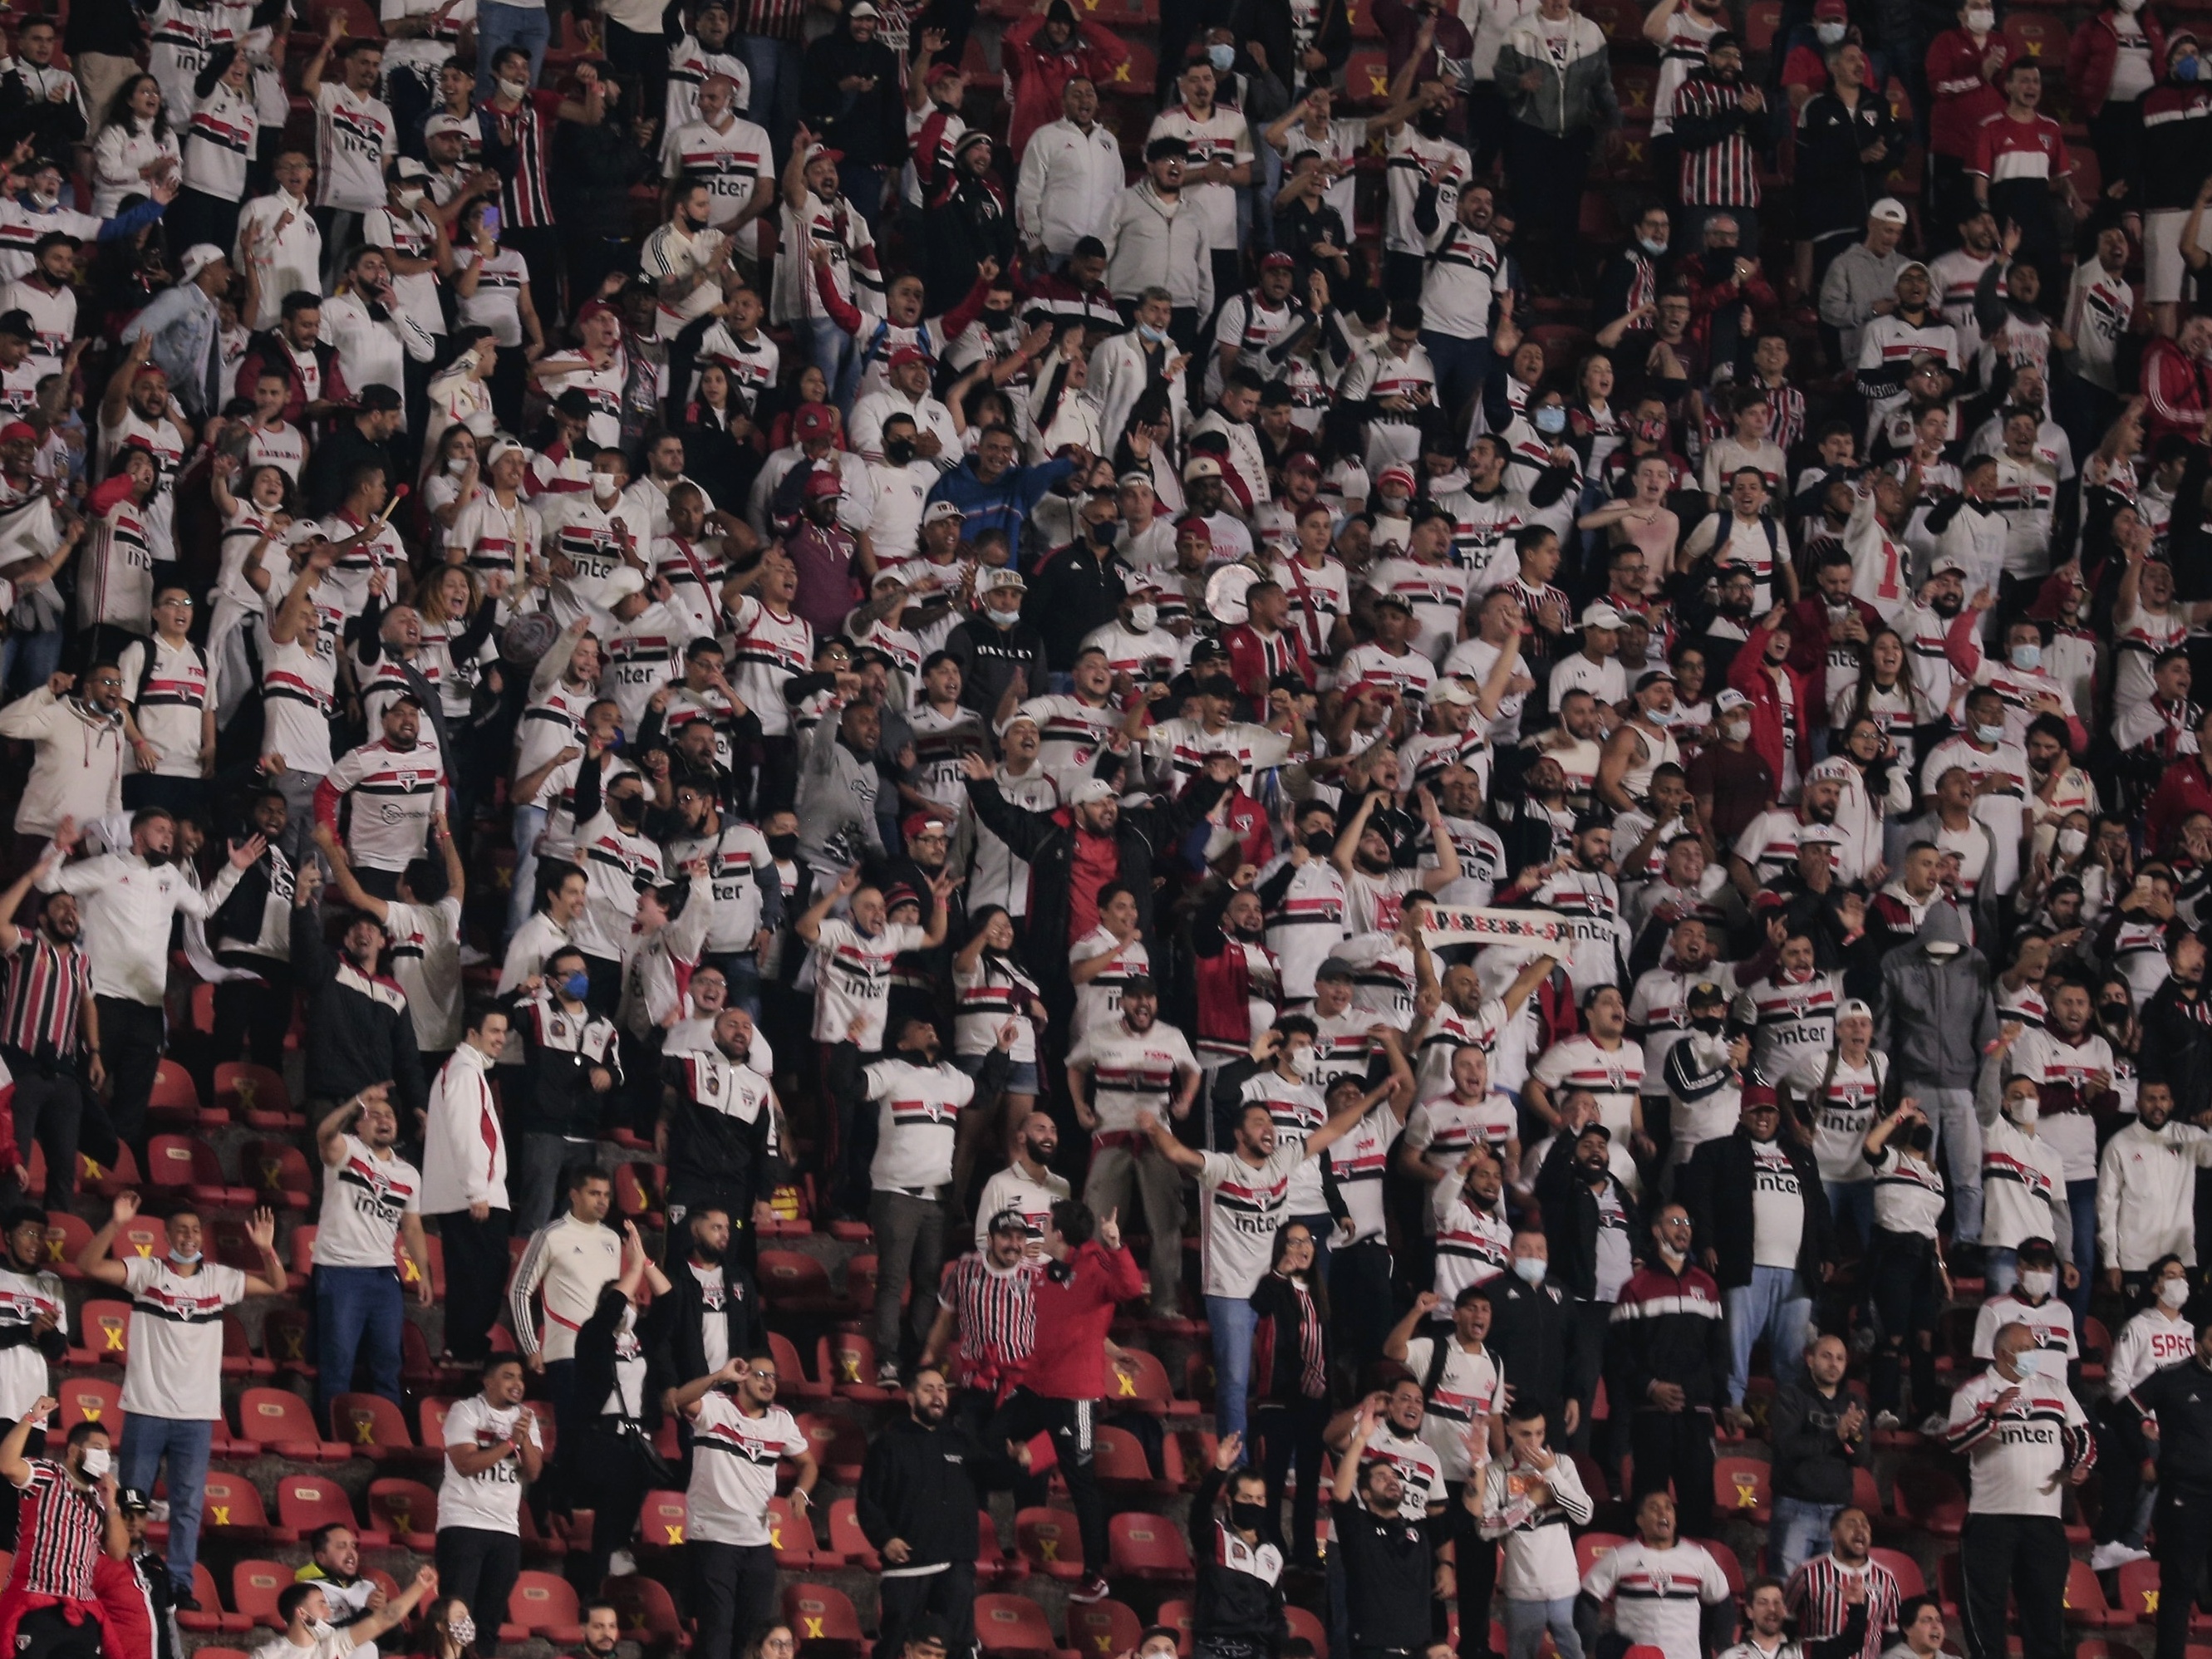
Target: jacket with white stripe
[1668,1326]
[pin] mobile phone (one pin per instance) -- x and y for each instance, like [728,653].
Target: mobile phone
[490,220]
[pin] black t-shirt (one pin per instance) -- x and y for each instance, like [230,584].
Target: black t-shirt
[1386,1573]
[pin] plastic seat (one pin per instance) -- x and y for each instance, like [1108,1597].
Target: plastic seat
[1741,1486]
[793,1540]
[840,1444]
[430,1417]
[182,1169]
[405,1509]
[1118,1461]
[1724,1557]
[1012,1624]
[821,1616]
[288,1337]
[230,1510]
[542,1604]
[1148,1388]
[793,1283]
[239,1358]
[91,1399]
[792,1380]
[255,1096]
[1930,1498]
[143,1238]
[2138,1602]
[634,1199]
[1902,1568]
[176,1100]
[107,1181]
[1305,1624]
[648,1612]
[663,1520]
[105,1332]
[1050,1541]
[434,1251]
[1591,1548]
[1104,1629]
[371,1426]
[254,1588]
[67,1234]
[305,1502]
[852,1364]
[279,1421]
[849,1545]
[211,1617]
[2085,1603]
[1147,1546]
[277,1174]
[995,1565]
[1177,1616]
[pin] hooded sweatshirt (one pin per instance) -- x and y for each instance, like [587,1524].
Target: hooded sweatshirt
[1935,1016]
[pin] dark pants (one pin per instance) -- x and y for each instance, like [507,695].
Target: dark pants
[1585,1361]
[201,217]
[2120,1452]
[602,1474]
[34,1445]
[1548,174]
[480,1567]
[357,1315]
[1284,1431]
[1462,366]
[131,1035]
[732,1593]
[950,1595]
[48,1106]
[2024,1557]
[46,1633]
[1071,1423]
[2185,1538]
[1475,1568]
[1360,1301]
[476,1272]
[1907,1302]
[1677,1446]
[542,247]
[182,797]
[254,1016]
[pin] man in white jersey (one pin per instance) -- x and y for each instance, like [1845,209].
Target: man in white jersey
[2026,1441]
[392,789]
[33,1331]
[1665,1589]
[172,1382]
[738,1436]
[1116,1072]
[492,1450]
[372,1197]
[1027,1186]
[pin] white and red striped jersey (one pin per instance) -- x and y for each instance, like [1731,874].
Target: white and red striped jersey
[2032,151]
[1131,1072]
[363,1199]
[1792,1014]
[389,793]
[919,1112]
[1658,1596]
[767,647]
[853,977]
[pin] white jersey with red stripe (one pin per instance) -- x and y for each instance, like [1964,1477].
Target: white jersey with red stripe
[1659,1596]
[919,1111]
[364,1196]
[1243,1204]
[1131,1072]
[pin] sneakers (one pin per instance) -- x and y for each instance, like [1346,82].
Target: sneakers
[1935,1422]
[887,1374]
[2109,1557]
[1093,1588]
[185,1601]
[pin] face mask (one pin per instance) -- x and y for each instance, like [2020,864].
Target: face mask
[1551,420]
[1104,532]
[605,486]
[898,451]
[695,226]
[998,618]
[1142,616]
[458,465]
[95,1462]
[40,200]
[1530,1269]
[462,1629]
[2186,70]
[1922,1139]
[1712,1025]
[2131,6]
[2071,842]
[2028,657]
[1831,34]
[2038,1283]
[1660,717]
[1304,1063]
[1657,250]
[1941,949]
[321,1629]
[576,985]
[1981,20]
[1246,1517]
[2113,1013]
[2027,1362]
[997,322]
[184,1260]
[2173,1293]
[2024,1112]
[1735,731]
[782,846]
[1652,431]
[516,91]
[1151,336]
[1321,843]
[1222,57]
[1987,734]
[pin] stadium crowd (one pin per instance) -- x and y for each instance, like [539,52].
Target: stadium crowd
[1478,719]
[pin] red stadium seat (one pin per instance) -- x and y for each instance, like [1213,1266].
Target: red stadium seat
[1050,1542]
[231,1511]
[853,1361]
[124,1177]
[1591,1546]
[1306,1625]
[257,1096]
[1177,1617]
[305,1502]
[279,1421]
[371,1426]
[1147,1386]
[143,1238]
[793,1540]
[211,1615]
[239,1358]
[254,1588]
[67,1234]
[1147,1546]
[792,1381]
[288,1339]
[2138,1600]
[822,1618]
[106,1334]
[542,1604]
[405,1509]
[1104,1629]
[2085,1603]
[90,1400]
[849,1545]
[648,1612]
[1902,1568]
[1740,1487]
[1012,1625]
[277,1173]
[840,1444]
[1930,1498]
[662,1523]
[176,1100]
[1118,1461]
[793,1283]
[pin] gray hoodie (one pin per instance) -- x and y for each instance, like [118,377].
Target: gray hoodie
[1935,1017]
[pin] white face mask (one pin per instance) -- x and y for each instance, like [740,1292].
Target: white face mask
[2072,842]
[1941,949]
[411,198]
[2173,1293]
[605,486]
[1735,731]
[1305,1061]
[1142,616]
[516,91]
[1981,22]
[2038,1282]
[458,465]
[1831,34]
[2027,1362]
[96,1462]
[321,1629]
[2024,1113]
[1530,1269]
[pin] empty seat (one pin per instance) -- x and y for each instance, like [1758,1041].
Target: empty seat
[103,1334]
[542,1604]
[371,1426]
[277,1174]
[230,1510]
[254,1588]
[278,1420]
[1050,1541]
[1013,1624]
[91,1399]
[1741,1486]
[257,1096]
[1104,1629]
[849,1545]
[662,1521]
[821,1616]
[305,1502]
[792,1382]
[406,1509]
[1147,1546]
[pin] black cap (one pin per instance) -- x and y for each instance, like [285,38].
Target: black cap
[131,1501]
[1138,985]
[1594,1127]
[1009,1221]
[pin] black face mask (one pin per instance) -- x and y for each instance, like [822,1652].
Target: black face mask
[1103,533]
[626,809]
[695,226]
[919,1057]
[711,1255]
[1248,1517]
[2113,1013]
[1321,843]
[1712,1026]
[1922,1138]
[997,321]
[898,451]
[1429,124]
[783,846]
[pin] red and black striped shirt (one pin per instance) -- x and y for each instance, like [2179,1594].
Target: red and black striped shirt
[59,1535]
[47,984]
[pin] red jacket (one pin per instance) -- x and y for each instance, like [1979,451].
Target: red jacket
[1248,658]
[1038,77]
[2178,389]
[1075,1303]
[2183,789]
[1809,645]
[1962,100]
[1748,675]
[2095,49]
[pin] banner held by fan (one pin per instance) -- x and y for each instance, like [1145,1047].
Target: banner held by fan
[1540,930]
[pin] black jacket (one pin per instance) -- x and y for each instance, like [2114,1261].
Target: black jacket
[1810,1459]
[2181,1395]
[1387,1574]
[1570,1219]
[359,1030]
[1233,1601]
[1717,1186]
[674,1328]
[597,1344]
[1072,591]
[1532,1336]
[921,1485]
[1046,841]
[2177,1042]
[713,1154]
[990,656]
[868,124]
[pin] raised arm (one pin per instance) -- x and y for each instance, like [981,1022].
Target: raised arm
[1164,1142]
[13,1464]
[93,1260]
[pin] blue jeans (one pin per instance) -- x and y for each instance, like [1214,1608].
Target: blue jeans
[146,1442]
[1462,366]
[776,66]
[1527,1621]
[1770,1306]
[1234,1323]
[357,1307]
[1799,1533]
[500,26]
[29,660]
[529,824]
[838,357]
[1854,1199]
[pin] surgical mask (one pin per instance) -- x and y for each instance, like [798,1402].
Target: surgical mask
[783,846]
[1980,19]
[462,1629]
[998,618]
[458,465]
[518,90]
[1987,734]
[2027,1362]
[2131,6]
[1831,34]
[185,1259]
[2026,658]
[1735,731]
[2187,68]
[1142,616]
[1304,1063]
[2038,1282]
[1660,717]
[605,486]
[898,451]
[1551,420]
[1530,1269]
[576,985]
[1657,250]
[2072,842]
[1151,336]
[43,201]
[411,198]
[1246,1517]
[95,1462]
[2173,1293]
[321,1629]
[2024,1112]
[1941,949]
[1222,57]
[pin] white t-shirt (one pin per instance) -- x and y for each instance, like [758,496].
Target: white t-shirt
[1842,1111]
[919,1118]
[1658,1596]
[1099,1002]
[24,1375]
[176,1338]
[733,1469]
[490,1499]
[363,1199]
[1131,1072]
[426,960]
[1471,1387]
[1243,1205]
[1777,1207]
[852,979]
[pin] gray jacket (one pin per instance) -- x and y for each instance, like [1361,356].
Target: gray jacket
[1935,1017]
[1857,277]
[1566,101]
[836,800]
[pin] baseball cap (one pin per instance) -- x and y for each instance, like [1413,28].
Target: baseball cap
[1451,690]
[916,823]
[1914,265]
[501,450]
[1651,677]
[944,71]
[1888,211]
[1091,789]
[1705,994]
[1138,985]
[899,893]
[812,421]
[441,125]
[1200,466]
[1006,577]
[620,583]
[1730,698]
[1009,1221]
[863,8]
[1336,968]
[1302,460]
[823,483]
[1601,615]
[1759,1094]
[1946,564]
[380,399]
[131,1501]
[1853,1008]
[905,355]
[19,432]
[938,512]
[1279,261]
[408,167]
[1191,525]
[1818,835]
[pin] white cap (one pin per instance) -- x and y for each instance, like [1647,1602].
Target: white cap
[1731,698]
[1946,564]
[1006,576]
[501,450]
[936,512]
[1091,789]
[1601,615]
[1451,690]
[1889,211]
[1854,1009]
[620,583]
[1818,835]
[198,257]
